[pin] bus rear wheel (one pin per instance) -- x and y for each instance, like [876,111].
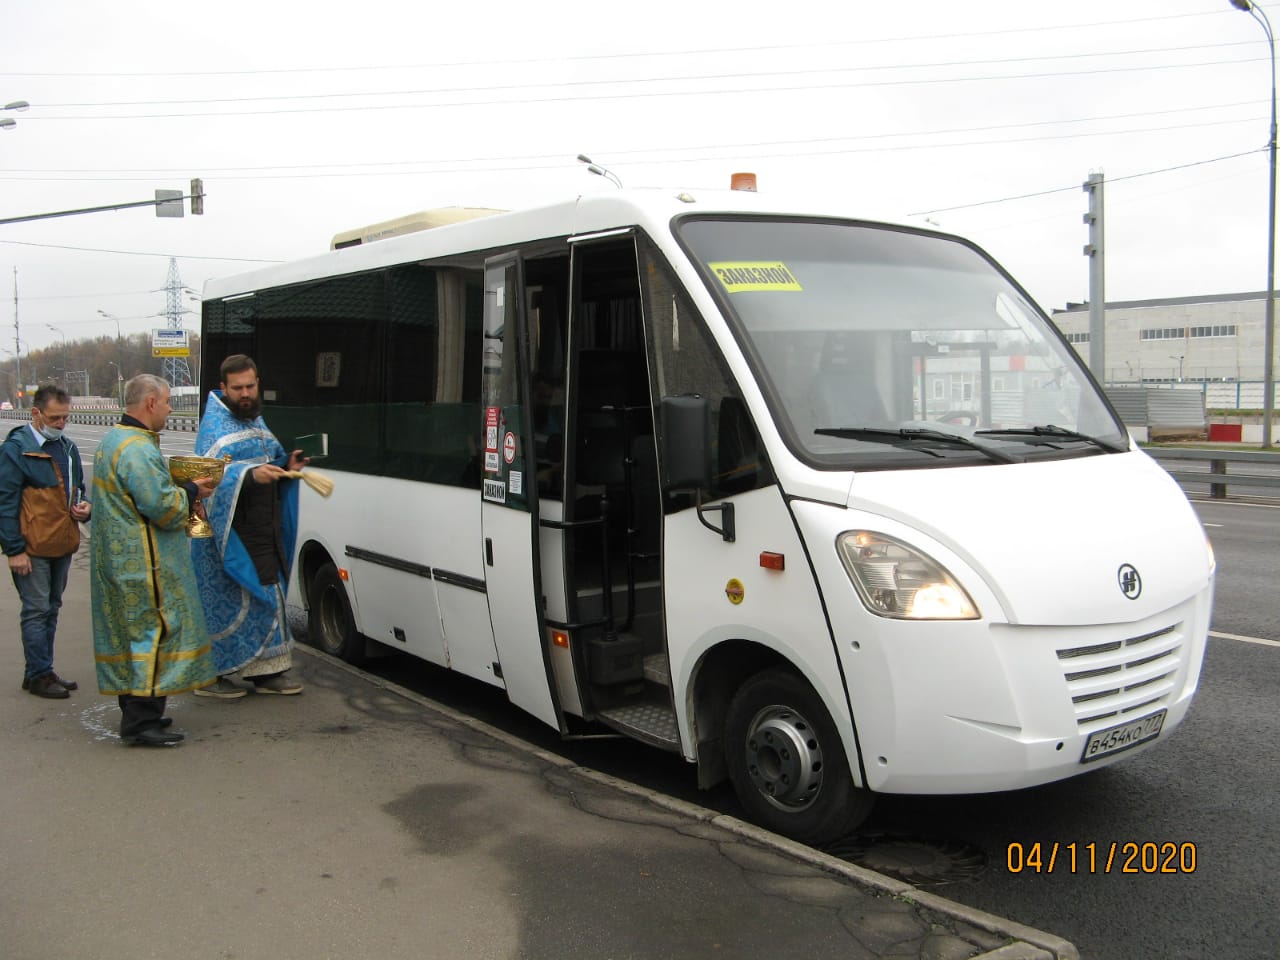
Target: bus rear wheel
[330,625]
[787,763]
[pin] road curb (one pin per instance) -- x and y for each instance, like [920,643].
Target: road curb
[1024,943]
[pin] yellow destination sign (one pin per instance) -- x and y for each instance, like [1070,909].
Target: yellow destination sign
[171,351]
[742,276]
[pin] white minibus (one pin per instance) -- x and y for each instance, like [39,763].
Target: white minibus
[827,506]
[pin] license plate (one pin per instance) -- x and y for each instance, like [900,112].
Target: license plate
[1122,736]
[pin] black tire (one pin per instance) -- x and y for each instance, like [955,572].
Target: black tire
[330,625]
[786,761]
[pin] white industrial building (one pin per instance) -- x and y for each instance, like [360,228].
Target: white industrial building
[1215,341]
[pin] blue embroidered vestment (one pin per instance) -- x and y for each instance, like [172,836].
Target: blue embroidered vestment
[149,636]
[247,620]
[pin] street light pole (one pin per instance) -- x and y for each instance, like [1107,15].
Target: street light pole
[1269,333]
[119,383]
[65,361]
[119,353]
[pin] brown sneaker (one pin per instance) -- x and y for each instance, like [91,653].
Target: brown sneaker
[280,683]
[48,687]
[223,689]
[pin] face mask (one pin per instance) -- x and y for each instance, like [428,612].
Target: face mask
[51,433]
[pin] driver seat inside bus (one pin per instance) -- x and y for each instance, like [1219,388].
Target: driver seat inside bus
[844,391]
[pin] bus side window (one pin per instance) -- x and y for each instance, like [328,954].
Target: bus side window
[739,458]
[546,282]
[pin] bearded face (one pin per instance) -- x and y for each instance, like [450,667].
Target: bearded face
[242,396]
[247,408]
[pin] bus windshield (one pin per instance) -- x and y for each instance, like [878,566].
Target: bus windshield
[879,347]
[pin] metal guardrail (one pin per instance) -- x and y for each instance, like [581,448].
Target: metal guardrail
[107,418]
[1216,475]
[1263,480]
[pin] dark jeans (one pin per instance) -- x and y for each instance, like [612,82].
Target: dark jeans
[41,594]
[139,713]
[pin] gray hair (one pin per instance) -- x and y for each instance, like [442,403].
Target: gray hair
[142,386]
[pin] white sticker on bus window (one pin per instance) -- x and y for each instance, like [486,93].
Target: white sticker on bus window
[743,276]
[515,482]
[491,428]
[328,369]
[495,490]
[491,462]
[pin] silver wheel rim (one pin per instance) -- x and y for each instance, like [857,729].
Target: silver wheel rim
[332,621]
[784,758]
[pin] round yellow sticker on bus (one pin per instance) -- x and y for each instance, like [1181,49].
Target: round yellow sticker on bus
[735,591]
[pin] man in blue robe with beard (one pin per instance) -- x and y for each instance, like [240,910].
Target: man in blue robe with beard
[243,569]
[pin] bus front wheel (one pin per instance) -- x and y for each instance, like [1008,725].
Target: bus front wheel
[786,761]
[330,625]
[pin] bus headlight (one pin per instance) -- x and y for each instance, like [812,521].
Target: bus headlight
[895,580]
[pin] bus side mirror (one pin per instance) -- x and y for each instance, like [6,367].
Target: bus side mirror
[686,461]
[686,457]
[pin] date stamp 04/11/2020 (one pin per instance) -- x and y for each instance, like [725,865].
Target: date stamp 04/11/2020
[1114,856]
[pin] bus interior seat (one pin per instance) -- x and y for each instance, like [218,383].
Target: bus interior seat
[844,396]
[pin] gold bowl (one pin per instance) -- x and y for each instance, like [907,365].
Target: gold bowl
[182,469]
[196,468]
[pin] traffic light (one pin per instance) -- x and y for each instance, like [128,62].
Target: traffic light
[197,196]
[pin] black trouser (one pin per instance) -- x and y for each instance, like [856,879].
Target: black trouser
[139,713]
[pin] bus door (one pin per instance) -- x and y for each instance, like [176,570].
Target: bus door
[509,508]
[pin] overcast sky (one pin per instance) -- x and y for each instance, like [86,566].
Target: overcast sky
[305,119]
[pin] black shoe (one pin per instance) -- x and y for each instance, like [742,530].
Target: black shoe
[48,687]
[69,684]
[164,722]
[153,737]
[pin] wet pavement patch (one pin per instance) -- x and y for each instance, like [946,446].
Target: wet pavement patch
[339,728]
[434,814]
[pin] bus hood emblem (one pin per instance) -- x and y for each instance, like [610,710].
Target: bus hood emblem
[1130,581]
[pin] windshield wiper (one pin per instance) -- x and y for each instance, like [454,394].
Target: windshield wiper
[1048,433]
[911,436]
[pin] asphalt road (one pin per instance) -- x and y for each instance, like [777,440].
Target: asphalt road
[1195,818]
[1206,798]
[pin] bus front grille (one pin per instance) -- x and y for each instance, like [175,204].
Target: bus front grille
[1122,678]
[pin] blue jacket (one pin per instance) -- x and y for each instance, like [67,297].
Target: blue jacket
[18,470]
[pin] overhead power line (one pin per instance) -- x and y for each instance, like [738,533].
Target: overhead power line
[1076,186]
[571,84]
[918,213]
[638,155]
[136,253]
[535,162]
[699,52]
[639,95]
